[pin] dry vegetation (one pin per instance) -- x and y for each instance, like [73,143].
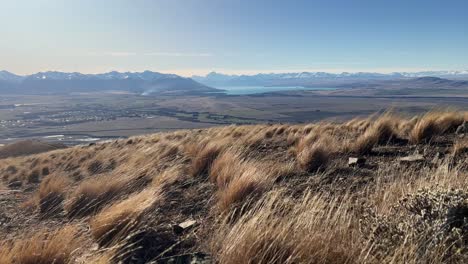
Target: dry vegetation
[247,194]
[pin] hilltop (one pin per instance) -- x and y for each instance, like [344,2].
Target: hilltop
[382,189]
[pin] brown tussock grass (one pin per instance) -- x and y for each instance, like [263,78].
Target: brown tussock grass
[227,166]
[42,248]
[381,132]
[92,194]
[205,156]
[51,194]
[116,222]
[277,230]
[248,184]
[316,155]
[434,124]
[240,180]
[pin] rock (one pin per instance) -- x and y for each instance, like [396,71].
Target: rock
[356,161]
[462,129]
[416,158]
[437,158]
[180,228]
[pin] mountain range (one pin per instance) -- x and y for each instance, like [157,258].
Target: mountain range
[317,78]
[146,82]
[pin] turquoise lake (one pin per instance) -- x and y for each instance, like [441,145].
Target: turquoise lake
[244,90]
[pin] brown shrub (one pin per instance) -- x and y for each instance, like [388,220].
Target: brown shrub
[42,248]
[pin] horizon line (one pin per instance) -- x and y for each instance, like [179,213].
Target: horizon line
[204,73]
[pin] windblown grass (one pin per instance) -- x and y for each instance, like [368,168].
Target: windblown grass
[42,248]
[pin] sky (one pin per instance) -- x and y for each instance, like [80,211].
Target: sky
[190,37]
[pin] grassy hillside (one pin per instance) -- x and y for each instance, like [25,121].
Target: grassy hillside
[247,194]
[27,147]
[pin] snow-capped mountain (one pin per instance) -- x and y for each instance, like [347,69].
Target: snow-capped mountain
[146,82]
[113,75]
[301,78]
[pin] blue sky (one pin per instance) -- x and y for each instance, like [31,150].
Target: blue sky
[233,36]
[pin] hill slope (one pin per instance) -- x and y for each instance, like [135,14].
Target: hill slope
[247,194]
[27,147]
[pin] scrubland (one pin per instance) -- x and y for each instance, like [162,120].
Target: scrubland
[279,193]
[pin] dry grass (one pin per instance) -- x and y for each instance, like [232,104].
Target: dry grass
[277,230]
[433,124]
[204,157]
[92,194]
[117,221]
[249,183]
[42,248]
[317,155]
[51,194]
[272,194]
[380,132]
[225,167]
[460,147]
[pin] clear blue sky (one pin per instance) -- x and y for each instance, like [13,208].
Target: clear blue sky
[234,36]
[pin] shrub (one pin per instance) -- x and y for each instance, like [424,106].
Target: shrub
[428,226]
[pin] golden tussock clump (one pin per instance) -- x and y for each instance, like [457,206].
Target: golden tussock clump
[225,167]
[277,230]
[239,179]
[316,155]
[51,194]
[93,194]
[433,124]
[115,222]
[251,181]
[204,158]
[42,248]
[381,131]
